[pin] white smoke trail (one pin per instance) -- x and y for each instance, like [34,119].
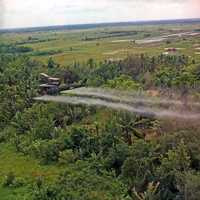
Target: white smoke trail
[125,97]
[148,112]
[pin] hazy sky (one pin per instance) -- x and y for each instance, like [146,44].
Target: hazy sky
[27,13]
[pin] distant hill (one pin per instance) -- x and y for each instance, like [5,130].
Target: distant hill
[99,25]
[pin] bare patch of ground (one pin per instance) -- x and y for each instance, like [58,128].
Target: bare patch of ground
[115,52]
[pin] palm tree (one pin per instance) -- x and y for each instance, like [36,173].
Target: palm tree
[132,125]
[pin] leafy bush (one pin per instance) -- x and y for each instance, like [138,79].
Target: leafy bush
[12,181]
[67,156]
[123,82]
[82,183]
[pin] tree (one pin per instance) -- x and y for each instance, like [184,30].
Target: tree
[188,185]
[51,64]
[18,81]
[116,157]
[173,165]
[138,169]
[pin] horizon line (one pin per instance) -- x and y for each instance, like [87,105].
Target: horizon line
[100,23]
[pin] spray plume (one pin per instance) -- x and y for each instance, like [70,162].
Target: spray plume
[115,100]
[127,97]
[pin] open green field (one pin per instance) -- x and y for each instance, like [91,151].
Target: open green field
[69,46]
[22,166]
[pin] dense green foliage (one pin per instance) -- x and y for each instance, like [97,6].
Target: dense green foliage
[141,71]
[104,157]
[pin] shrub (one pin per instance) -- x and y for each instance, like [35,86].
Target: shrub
[67,156]
[9,179]
[12,181]
[123,82]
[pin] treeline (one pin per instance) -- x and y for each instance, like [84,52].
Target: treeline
[34,40]
[111,34]
[12,49]
[15,49]
[174,72]
[45,53]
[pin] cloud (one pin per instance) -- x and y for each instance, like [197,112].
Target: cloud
[1,13]
[193,8]
[20,13]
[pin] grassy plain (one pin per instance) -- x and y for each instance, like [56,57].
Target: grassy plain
[22,166]
[105,43]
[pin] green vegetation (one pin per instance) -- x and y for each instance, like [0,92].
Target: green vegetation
[11,49]
[107,43]
[51,151]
